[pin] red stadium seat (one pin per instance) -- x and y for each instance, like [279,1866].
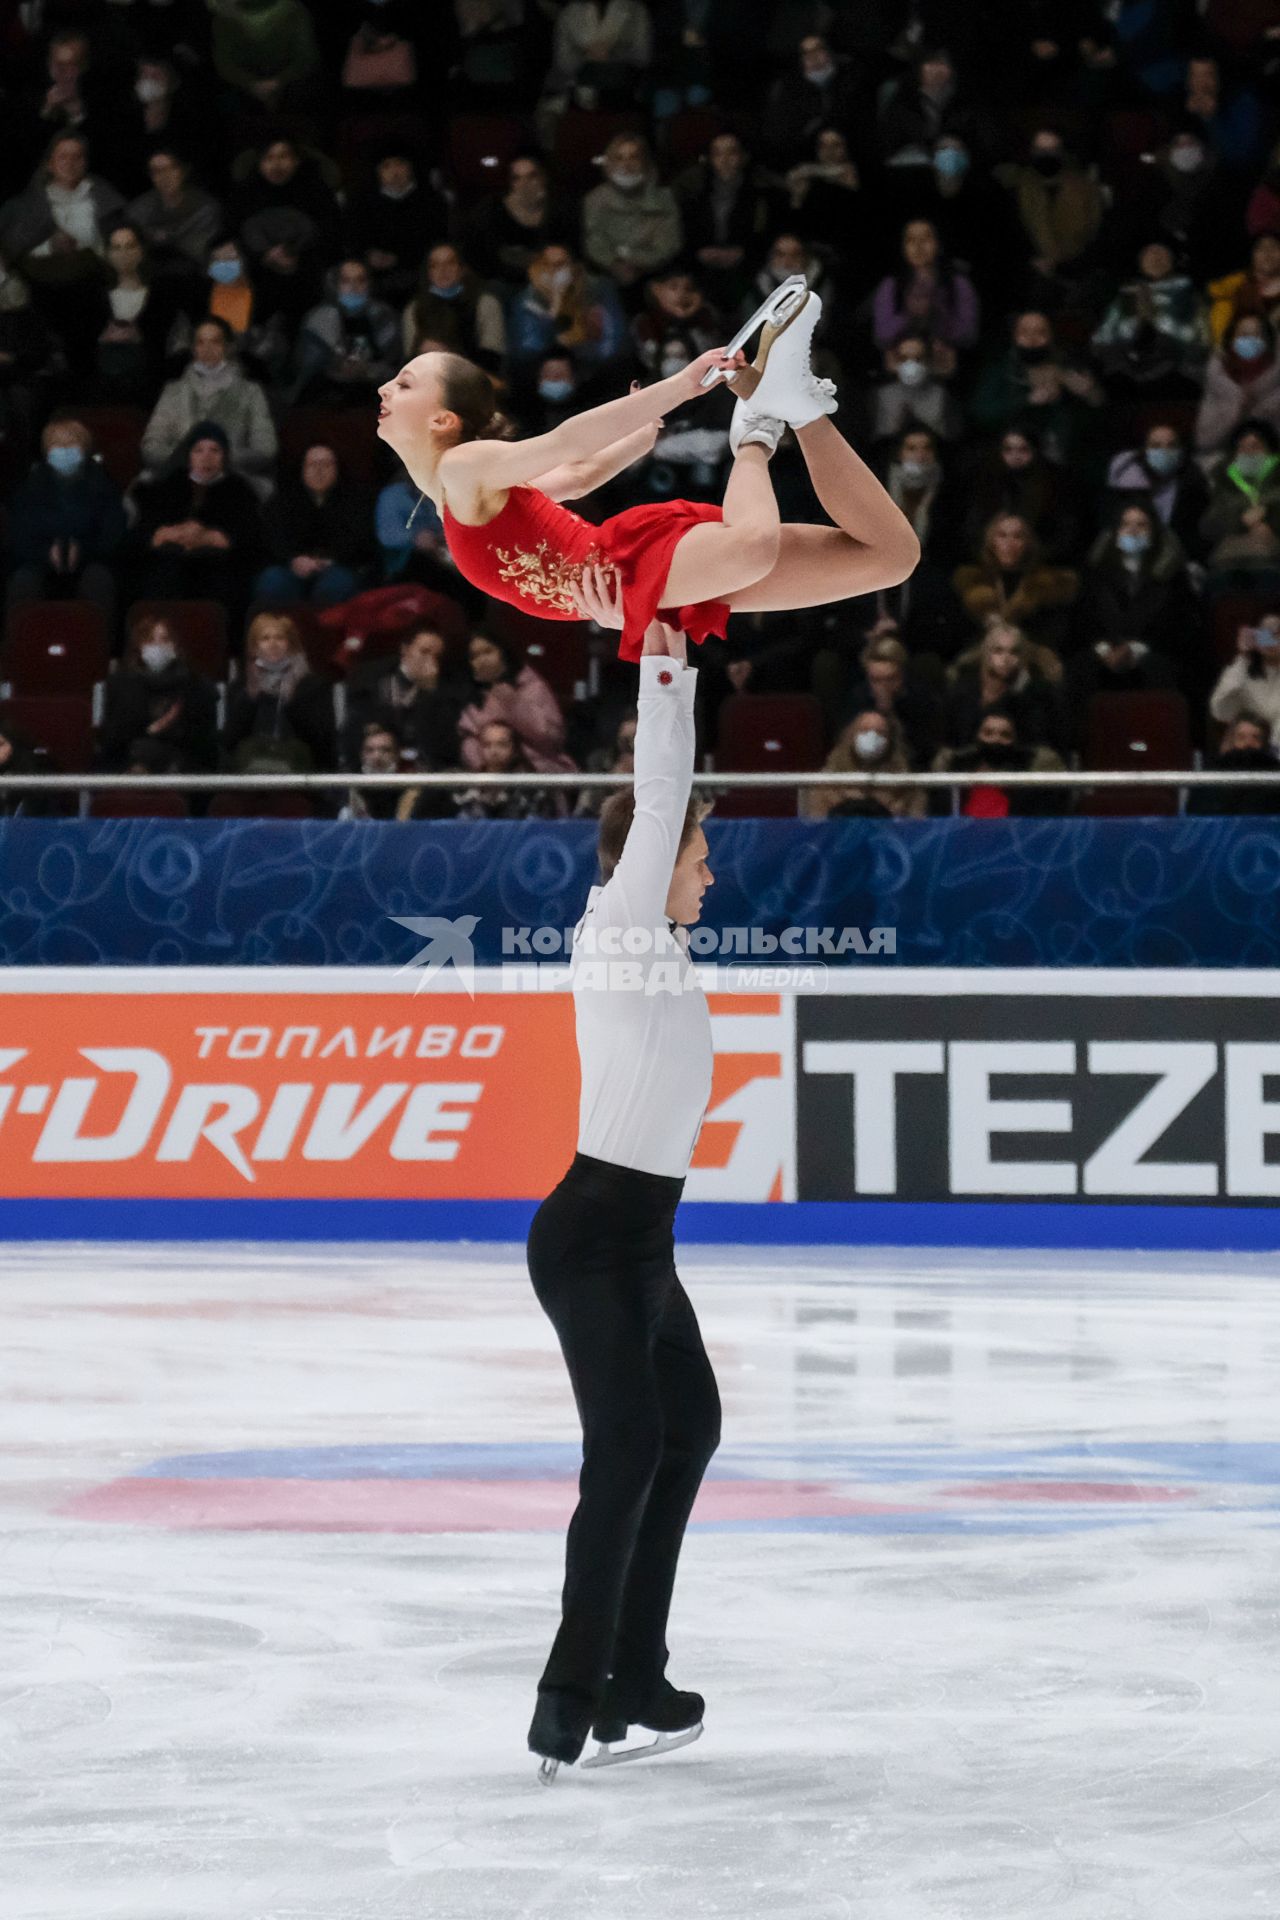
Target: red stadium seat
[348,430]
[138,803]
[581,139]
[62,724]
[55,647]
[686,137]
[559,650]
[481,146]
[117,435]
[201,625]
[1126,732]
[767,733]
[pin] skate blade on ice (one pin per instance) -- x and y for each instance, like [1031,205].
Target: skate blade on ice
[548,1771]
[783,304]
[614,1756]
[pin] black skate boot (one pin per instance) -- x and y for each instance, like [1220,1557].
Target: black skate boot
[558,1731]
[676,1719]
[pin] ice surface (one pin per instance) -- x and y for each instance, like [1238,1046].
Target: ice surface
[984,1594]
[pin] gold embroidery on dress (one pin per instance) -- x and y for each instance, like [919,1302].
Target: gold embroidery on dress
[543,575]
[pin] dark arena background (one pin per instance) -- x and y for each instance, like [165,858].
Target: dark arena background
[295,827]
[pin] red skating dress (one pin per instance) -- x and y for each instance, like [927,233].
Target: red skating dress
[528,554]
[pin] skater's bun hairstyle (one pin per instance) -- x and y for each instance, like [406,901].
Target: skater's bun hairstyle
[470,393]
[616,815]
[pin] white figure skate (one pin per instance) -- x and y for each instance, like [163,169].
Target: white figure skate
[774,314]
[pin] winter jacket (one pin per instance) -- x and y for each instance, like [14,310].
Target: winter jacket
[27,220]
[135,698]
[1226,402]
[1232,545]
[1034,599]
[239,407]
[85,507]
[527,704]
[339,527]
[1061,218]
[642,226]
[1153,601]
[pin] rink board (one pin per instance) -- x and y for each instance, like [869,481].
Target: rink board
[1057,1107]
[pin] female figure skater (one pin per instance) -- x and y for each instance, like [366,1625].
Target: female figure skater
[601,1250]
[499,500]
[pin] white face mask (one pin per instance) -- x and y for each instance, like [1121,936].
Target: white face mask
[624,179]
[157,654]
[819,76]
[911,372]
[559,279]
[870,745]
[149,91]
[1186,159]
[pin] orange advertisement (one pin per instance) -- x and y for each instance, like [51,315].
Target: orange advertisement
[284,1093]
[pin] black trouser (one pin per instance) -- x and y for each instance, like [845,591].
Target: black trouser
[602,1262]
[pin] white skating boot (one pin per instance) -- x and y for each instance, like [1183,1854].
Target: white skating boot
[781,383]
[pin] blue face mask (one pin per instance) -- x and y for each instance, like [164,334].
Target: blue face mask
[1133,542]
[950,162]
[224,271]
[353,302]
[65,460]
[1164,459]
[554,390]
[447,293]
[1249,346]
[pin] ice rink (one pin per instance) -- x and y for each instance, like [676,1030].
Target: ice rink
[984,1592]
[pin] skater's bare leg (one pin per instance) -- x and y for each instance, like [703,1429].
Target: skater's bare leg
[715,558]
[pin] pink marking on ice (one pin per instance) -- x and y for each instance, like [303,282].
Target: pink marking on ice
[1115,1492]
[422,1506]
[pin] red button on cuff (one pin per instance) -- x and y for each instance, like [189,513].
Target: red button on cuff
[664,678]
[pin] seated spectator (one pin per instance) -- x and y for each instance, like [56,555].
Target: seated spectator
[924,108]
[517,695]
[162,105]
[1001,671]
[502,235]
[913,392]
[1246,748]
[392,224]
[1242,383]
[453,308]
[788,254]
[66,523]
[286,218]
[1060,205]
[914,482]
[728,207]
[1186,197]
[498,749]
[55,233]
[261,339]
[155,695]
[885,688]
[1153,338]
[618,757]
[67,97]
[136,315]
[198,528]
[1033,382]
[1230,118]
[349,344]
[380,752]
[1116,665]
[1249,688]
[1013,476]
[872,742]
[973,218]
[820,92]
[178,221]
[600,55]
[1241,525]
[825,193]
[557,391]
[675,311]
[1136,584]
[320,530]
[25,371]
[564,309]
[1010,581]
[1255,290]
[16,756]
[268,54]
[928,294]
[996,748]
[213,387]
[630,222]
[1173,483]
[416,697]
[281,713]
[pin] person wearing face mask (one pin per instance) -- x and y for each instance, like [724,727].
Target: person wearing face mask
[1241,525]
[213,388]
[1242,383]
[502,233]
[557,387]
[913,481]
[1249,687]
[155,695]
[912,393]
[1011,475]
[1184,196]
[971,215]
[66,523]
[1136,585]
[1173,483]
[564,309]
[925,107]
[631,222]
[997,746]
[1059,205]
[1245,747]
[452,307]
[818,92]
[1255,290]
[872,742]
[1034,382]
[348,344]
[286,217]
[391,223]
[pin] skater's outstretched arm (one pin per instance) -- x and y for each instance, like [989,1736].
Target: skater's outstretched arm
[492,465]
[578,478]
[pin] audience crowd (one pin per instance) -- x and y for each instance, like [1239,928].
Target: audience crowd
[1046,234]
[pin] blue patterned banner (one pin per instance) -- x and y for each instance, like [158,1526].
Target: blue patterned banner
[1152,893]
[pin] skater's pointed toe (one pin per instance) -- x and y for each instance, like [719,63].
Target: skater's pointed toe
[559,1728]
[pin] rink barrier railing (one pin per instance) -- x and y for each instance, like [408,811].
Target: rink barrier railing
[461,779]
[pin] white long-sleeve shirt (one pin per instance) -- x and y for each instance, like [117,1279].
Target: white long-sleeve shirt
[1240,694]
[644,1031]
